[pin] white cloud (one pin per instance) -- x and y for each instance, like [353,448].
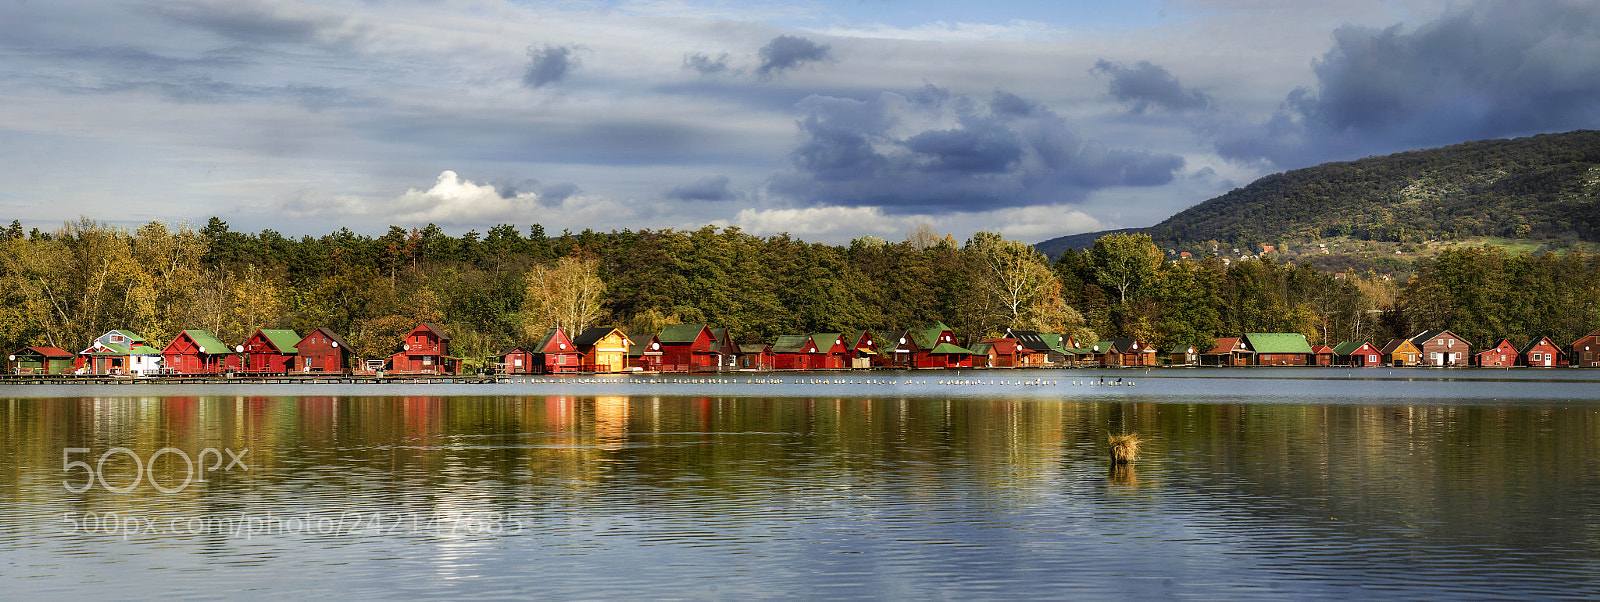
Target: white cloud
[454,200]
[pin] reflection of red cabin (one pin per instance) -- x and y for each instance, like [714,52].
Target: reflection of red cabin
[688,348]
[426,350]
[1540,353]
[517,360]
[1502,354]
[271,351]
[323,351]
[198,352]
[556,354]
[1586,351]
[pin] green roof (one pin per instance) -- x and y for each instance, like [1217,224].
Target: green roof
[825,340]
[680,333]
[212,345]
[284,340]
[1182,348]
[947,348]
[790,343]
[981,348]
[1278,342]
[1347,347]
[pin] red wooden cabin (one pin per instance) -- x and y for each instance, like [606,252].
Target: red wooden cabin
[555,353]
[796,352]
[1502,354]
[936,348]
[836,352]
[323,351]
[755,356]
[688,348]
[1359,354]
[425,350]
[1005,352]
[644,355]
[517,360]
[270,351]
[198,352]
[1586,351]
[1323,355]
[863,348]
[1540,353]
[1229,351]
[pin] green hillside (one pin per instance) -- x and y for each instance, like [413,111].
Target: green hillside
[1542,191]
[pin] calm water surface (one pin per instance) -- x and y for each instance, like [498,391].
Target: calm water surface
[1259,484]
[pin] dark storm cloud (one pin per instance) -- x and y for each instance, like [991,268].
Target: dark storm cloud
[787,52]
[549,65]
[1146,85]
[705,64]
[1495,69]
[713,188]
[1010,152]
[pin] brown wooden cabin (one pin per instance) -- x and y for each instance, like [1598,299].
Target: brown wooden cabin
[516,360]
[1541,352]
[1183,355]
[863,349]
[727,349]
[271,351]
[323,351]
[555,353]
[1501,355]
[1441,348]
[755,356]
[1357,354]
[425,350]
[1586,351]
[1400,352]
[1001,352]
[1228,351]
[896,351]
[198,352]
[797,352]
[688,348]
[644,355]
[1323,355]
[42,360]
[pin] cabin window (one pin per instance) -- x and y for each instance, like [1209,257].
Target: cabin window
[1587,355]
[1536,357]
[1451,343]
[427,361]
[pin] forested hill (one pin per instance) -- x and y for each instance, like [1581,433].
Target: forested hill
[1543,187]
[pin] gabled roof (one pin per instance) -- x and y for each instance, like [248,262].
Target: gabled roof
[755,348]
[1277,342]
[1029,339]
[1423,337]
[1321,349]
[511,350]
[554,341]
[1348,347]
[1184,349]
[853,338]
[1498,344]
[949,349]
[46,351]
[681,333]
[638,348]
[982,348]
[283,340]
[1226,345]
[791,343]
[1396,344]
[593,334]
[438,331]
[331,337]
[1535,342]
[929,337]
[825,340]
[212,345]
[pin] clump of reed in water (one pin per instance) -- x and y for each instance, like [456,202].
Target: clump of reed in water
[1124,448]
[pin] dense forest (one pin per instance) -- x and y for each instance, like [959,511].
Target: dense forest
[1544,187]
[506,287]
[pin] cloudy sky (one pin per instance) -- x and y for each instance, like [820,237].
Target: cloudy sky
[827,119]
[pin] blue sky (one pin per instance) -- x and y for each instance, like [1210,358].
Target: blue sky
[826,119]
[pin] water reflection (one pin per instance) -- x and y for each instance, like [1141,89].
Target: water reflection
[634,495]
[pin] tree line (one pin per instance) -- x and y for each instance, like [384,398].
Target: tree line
[509,285]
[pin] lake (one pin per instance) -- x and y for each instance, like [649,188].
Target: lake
[1252,483]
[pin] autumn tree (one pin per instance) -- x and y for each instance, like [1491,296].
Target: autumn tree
[566,295]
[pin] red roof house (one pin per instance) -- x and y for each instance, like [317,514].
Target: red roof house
[556,354]
[1502,355]
[425,350]
[1540,353]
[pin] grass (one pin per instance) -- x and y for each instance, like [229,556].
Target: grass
[1124,448]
